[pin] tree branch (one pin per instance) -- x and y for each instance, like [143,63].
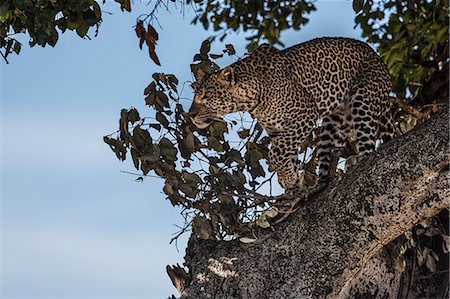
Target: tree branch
[324,248]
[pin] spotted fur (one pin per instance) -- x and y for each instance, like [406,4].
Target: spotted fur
[340,80]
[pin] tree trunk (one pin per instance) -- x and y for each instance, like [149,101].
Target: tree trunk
[337,244]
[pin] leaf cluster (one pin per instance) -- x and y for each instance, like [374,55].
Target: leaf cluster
[44,20]
[149,36]
[214,174]
[265,19]
[410,35]
[427,245]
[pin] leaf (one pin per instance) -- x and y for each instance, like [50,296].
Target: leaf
[198,57]
[153,35]
[218,128]
[133,115]
[162,99]
[247,240]
[173,82]
[123,126]
[233,156]
[167,149]
[445,244]
[153,56]
[400,263]
[168,189]
[230,49]
[152,153]
[262,222]
[150,99]
[201,227]
[150,88]
[162,119]
[432,231]
[271,213]
[191,177]
[155,126]
[140,139]
[189,141]
[188,190]
[140,32]
[205,47]
[214,144]
[215,56]
[150,36]
[430,261]
[117,147]
[244,133]
[82,28]
[17,47]
[135,158]
[358,5]
[126,5]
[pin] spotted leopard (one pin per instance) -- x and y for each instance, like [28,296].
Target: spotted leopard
[339,80]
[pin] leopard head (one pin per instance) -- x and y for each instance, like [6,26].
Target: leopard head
[219,94]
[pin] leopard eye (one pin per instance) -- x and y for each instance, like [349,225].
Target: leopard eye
[207,94]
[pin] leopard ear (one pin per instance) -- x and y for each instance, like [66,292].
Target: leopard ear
[227,76]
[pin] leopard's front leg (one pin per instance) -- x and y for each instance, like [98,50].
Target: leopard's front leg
[283,156]
[283,162]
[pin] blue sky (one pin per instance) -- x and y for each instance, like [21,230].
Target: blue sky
[73,225]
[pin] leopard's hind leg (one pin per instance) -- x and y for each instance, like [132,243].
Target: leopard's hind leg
[334,136]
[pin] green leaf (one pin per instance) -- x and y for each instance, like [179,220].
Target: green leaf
[53,37]
[82,28]
[20,4]
[90,17]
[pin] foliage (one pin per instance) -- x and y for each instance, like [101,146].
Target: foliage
[42,20]
[266,19]
[410,35]
[149,36]
[219,174]
[427,245]
[214,174]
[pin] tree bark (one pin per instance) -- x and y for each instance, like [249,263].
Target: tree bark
[335,245]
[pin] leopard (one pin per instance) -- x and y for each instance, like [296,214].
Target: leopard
[341,81]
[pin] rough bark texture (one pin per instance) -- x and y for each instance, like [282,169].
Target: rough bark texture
[334,246]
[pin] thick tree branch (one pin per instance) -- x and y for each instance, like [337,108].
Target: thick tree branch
[327,246]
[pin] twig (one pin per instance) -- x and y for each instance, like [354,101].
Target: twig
[4,57]
[411,279]
[140,175]
[431,274]
[182,231]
